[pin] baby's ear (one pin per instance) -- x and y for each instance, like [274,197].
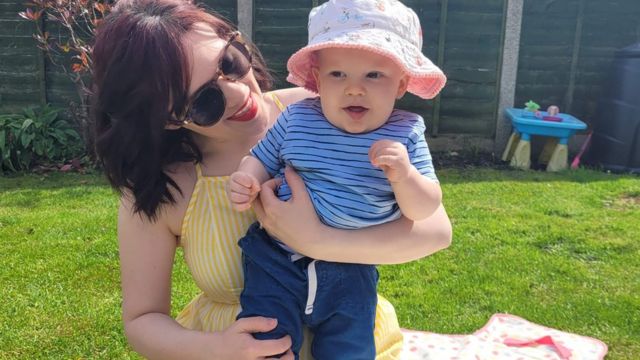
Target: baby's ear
[315,72]
[402,86]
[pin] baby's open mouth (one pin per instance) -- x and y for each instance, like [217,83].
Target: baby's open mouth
[356,109]
[356,112]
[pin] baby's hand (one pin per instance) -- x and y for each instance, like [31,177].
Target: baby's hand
[242,190]
[392,157]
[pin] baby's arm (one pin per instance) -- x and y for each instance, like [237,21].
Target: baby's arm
[418,196]
[244,184]
[260,165]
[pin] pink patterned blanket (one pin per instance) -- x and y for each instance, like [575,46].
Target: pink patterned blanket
[504,337]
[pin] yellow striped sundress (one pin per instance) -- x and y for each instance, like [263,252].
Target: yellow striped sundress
[210,231]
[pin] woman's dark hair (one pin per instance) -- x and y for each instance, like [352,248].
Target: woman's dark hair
[141,76]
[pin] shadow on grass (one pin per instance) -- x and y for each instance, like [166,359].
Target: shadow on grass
[30,191]
[28,198]
[454,168]
[50,181]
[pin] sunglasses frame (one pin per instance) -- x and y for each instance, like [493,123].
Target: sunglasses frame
[185,118]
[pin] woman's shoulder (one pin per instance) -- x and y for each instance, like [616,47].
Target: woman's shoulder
[185,175]
[170,215]
[181,171]
[291,95]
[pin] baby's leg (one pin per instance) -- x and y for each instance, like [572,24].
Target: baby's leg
[344,312]
[272,285]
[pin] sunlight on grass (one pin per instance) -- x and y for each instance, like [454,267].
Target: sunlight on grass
[558,249]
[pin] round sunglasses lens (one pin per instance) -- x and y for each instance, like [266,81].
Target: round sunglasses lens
[208,107]
[236,61]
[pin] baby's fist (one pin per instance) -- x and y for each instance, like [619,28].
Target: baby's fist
[242,190]
[392,157]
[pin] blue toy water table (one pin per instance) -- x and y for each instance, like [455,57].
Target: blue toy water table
[526,123]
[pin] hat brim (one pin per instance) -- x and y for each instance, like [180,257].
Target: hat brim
[425,78]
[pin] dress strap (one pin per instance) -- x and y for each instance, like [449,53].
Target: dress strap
[279,103]
[198,170]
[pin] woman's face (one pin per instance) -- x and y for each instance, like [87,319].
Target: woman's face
[244,105]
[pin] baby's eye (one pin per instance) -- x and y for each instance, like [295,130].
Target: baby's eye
[337,74]
[374,75]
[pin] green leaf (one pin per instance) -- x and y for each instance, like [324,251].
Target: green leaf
[9,164]
[37,134]
[59,135]
[72,133]
[27,123]
[50,117]
[29,112]
[38,149]
[24,139]
[3,141]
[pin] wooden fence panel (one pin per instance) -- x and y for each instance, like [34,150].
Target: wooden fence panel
[463,37]
[61,92]
[27,78]
[429,13]
[279,29]
[21,79]
[227,8]
[567,48]
[470,54]
[607,26]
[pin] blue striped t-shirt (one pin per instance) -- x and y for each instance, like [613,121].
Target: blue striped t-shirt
[346,190]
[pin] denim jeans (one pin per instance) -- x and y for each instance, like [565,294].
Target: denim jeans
[337,301]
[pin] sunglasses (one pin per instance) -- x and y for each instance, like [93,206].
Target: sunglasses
[207,105]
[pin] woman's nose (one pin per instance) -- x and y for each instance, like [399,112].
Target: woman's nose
[229,86]
[234,92]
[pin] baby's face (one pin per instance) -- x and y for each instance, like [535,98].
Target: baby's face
[358,88]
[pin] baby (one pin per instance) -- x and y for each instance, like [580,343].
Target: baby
[363,162]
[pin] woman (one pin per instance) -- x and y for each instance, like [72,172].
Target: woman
[179,100]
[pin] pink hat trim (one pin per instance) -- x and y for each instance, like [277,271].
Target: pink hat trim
[426,85]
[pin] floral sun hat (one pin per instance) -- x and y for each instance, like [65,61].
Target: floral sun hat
[385,27]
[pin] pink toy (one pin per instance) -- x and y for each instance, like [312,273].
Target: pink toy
[552,118]
[552,111]
[576,161]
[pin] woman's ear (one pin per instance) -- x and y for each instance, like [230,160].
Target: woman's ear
[402,86]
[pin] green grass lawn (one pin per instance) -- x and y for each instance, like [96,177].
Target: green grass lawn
[562,250]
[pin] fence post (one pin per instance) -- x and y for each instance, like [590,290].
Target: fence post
[508,70]
[442,38]
[245,17]
[42,68]
[575,56]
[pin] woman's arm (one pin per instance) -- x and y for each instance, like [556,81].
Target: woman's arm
[147,250]
[296,223]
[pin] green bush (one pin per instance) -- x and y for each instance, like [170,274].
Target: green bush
[37,136]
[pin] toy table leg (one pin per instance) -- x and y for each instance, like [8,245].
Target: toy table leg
[547,151]
[511,146]
[559,157]
[522,154]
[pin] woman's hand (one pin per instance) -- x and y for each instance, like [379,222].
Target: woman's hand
[147,251]
[236,342]
[293,222]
